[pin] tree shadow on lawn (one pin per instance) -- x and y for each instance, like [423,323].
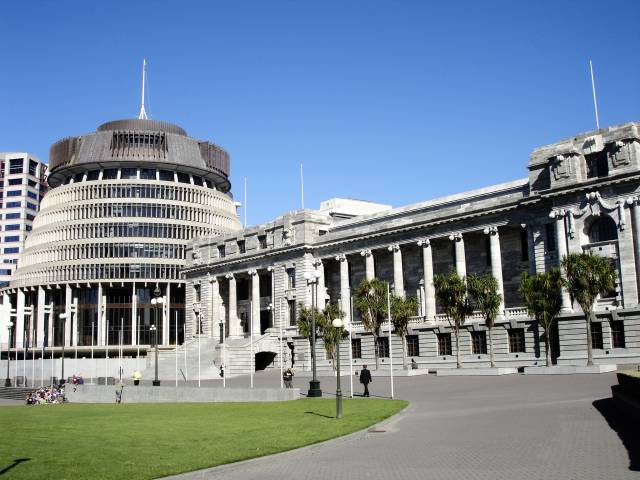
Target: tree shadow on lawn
[626,427]
[15,463]
[320,414]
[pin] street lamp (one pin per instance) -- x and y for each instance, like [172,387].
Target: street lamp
[338,323]
[156,303]
[7,381]
[154,330]
[314,384]
[63,317]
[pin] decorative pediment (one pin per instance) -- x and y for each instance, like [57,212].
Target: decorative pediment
[595,205]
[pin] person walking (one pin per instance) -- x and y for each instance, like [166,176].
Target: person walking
[287,376]
[365,379]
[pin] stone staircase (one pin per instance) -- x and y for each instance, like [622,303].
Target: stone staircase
[187,360]
[15,393]
[237,354]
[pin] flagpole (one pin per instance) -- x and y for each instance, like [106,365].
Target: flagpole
[251,341]
[281,351]
[93,362]
[390,349]
[351,346]
[198,327]
[301,186]
[593,89]
[224,354]
[184,345]
[177,344]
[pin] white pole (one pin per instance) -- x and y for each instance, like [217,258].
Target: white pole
[53,341]
[351,349]
[93,362]
[301,186]
[390,349]
[593,89]
[33,367]
[184,346]
[198,319]
[281,351]
[245,202]
[177,344]
[42,367]
[106,354]
[224,354]
[143,114]
[251,341]
[120,352]
[138,344]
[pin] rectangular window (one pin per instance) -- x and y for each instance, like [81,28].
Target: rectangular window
[516,340]
[93,175]
[617,334]
[14,193]
[12,238]
[262,242]
[148,173]
[33,167]
[110,174]
[29,216]
[293,314]
[444,344]
[479,343]
[597,164]
[413,346]
[382,345]
[356,348]
[11,216]
[13,204]
[196,293]
[291,278]
[12,250]
[550,234]
[16,165]
[183,178]
[13,226]
[32,183]
[128,173]
[242,247]
[15,181]
[596,335]
[32,195]
[221,251]
[32,206]
[524,244]
[166,176]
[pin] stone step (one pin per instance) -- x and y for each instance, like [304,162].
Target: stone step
[15,393]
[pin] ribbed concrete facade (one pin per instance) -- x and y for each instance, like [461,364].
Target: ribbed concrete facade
[125,201]
[581,195]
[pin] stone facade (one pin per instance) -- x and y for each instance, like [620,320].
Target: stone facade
[581,195]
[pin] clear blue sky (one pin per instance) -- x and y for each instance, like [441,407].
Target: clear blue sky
[395,102]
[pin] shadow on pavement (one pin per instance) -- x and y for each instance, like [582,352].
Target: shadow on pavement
[626,428]
[15,463]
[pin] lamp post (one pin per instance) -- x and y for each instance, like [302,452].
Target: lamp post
[314,384]
[154,330]
[156,303]
[63,317]
[7,381]
[337,323]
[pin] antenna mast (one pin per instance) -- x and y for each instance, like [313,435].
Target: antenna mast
[143,114]
[593,89]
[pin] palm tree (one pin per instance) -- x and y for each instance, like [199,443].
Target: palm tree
[451,291]
[370,300]
[587,276]
[542,295]
[330,334]
[401,310]
[487,299]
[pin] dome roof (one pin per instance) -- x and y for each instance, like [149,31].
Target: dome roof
[142,125]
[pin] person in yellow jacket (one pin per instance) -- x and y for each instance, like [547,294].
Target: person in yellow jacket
[136,377]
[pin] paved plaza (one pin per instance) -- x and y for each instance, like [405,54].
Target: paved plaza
[510,427]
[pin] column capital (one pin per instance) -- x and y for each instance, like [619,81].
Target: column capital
[394,247]
[341,257]
[366,253]
[212,278]
[230,276]
[492,230]
[456,237]
[252,272]
[633,201]
[316,262]
[424,243]
[558,213]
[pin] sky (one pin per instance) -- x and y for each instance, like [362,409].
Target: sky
[392,102]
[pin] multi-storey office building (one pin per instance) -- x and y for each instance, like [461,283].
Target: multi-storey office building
[582,195]
[23,183]
[124,202]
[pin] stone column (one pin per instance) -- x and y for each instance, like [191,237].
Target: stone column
[165,311]
[322,289]
[429,288]
[134,315]
[19,323]
[214,287]
[635,221]
[561,247]
[626,258]
[398,275]
[461,263]
[345,290]
[40,319]
[496,262]
[369,265]
[232,307]
[68,300]
[255,302]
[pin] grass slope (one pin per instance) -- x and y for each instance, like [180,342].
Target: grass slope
[140,441]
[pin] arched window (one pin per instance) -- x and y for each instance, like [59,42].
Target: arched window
[603,229]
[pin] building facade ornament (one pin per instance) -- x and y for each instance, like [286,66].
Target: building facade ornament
[341,257]
[424,243]
[394,247]
[366,253]
[455,237]
[493,230]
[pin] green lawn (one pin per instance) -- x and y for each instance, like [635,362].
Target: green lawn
[135,441]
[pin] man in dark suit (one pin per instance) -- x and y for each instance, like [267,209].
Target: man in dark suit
[365,379]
